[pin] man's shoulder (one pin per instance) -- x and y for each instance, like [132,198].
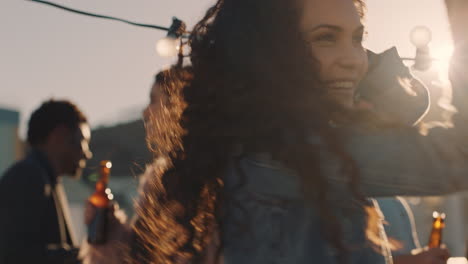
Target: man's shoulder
[25,171]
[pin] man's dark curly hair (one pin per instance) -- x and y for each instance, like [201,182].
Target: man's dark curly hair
[49,115]
[253,83]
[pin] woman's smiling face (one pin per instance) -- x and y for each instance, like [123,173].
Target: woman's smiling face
[334,33]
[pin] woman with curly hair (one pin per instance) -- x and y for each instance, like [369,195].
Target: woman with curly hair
[269,157]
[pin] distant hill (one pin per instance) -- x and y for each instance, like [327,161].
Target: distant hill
[123,144]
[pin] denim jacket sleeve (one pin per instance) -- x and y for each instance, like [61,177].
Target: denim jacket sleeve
[402,161]
[266,220]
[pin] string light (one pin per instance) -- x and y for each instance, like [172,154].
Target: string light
[420,36]
[167,47]
[171,45]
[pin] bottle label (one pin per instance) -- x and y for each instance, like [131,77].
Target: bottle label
[97,230]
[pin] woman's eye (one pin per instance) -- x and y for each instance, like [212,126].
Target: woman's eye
[325,38]
[360,37]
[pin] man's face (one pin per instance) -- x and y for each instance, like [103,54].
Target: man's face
[75,150]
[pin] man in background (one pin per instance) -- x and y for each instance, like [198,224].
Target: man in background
[35,224]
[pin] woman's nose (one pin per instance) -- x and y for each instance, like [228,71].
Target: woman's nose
[352,57]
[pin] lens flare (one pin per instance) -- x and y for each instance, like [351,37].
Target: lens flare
[442,56]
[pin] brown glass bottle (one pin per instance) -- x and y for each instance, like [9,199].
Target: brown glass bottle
[101,199]
[438,224]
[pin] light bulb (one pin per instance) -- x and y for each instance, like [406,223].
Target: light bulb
[167,47]
[420,36]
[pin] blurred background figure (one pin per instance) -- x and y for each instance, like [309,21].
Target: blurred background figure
[37,227]
[401,229]
[119,234]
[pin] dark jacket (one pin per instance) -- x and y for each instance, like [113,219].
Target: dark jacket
[33,226]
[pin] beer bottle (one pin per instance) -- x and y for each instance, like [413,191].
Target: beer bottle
[101,199]
[438,224]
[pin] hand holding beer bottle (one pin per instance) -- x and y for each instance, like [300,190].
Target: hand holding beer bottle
[101,200]
[107,228]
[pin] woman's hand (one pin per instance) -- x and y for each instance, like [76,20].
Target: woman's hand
[429,256]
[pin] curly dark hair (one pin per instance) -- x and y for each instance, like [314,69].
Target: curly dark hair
[164,131]
[51,114]
[253,83]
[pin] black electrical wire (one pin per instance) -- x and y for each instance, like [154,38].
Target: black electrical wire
[99,16]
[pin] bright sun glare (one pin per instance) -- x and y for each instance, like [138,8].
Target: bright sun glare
[442,56]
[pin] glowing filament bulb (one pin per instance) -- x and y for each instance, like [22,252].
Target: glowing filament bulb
[167,47]
[420,36]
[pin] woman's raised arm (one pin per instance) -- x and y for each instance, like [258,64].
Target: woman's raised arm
[401,161]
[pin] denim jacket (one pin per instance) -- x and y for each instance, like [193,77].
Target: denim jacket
[269,220]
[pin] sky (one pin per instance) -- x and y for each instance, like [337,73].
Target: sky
[107,67]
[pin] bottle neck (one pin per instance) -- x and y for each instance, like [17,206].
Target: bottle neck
[101,186]
[438,224]
[103,181]
[435,239]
